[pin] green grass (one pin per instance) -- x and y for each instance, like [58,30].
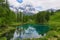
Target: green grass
[5,30]
[55,24]
[55,20]
[3,38]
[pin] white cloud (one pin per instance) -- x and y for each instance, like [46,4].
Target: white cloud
[45,4]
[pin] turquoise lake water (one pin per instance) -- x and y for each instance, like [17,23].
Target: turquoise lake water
[41,29]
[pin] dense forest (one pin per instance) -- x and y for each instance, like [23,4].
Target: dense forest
[9,20]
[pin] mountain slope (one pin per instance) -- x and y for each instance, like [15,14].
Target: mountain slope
[55,22]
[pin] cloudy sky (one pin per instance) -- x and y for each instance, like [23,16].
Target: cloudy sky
[37,4]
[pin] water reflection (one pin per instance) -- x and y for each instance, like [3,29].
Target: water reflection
[30,32]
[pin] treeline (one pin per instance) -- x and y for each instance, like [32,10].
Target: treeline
[8,17]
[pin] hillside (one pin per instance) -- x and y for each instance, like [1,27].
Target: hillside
[55,20]
[55,25]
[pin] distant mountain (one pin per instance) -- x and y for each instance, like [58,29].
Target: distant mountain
[28,9]
[28,13]
[50,10]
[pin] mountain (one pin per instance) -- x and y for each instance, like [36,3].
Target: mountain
[52,9]
[28,9]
